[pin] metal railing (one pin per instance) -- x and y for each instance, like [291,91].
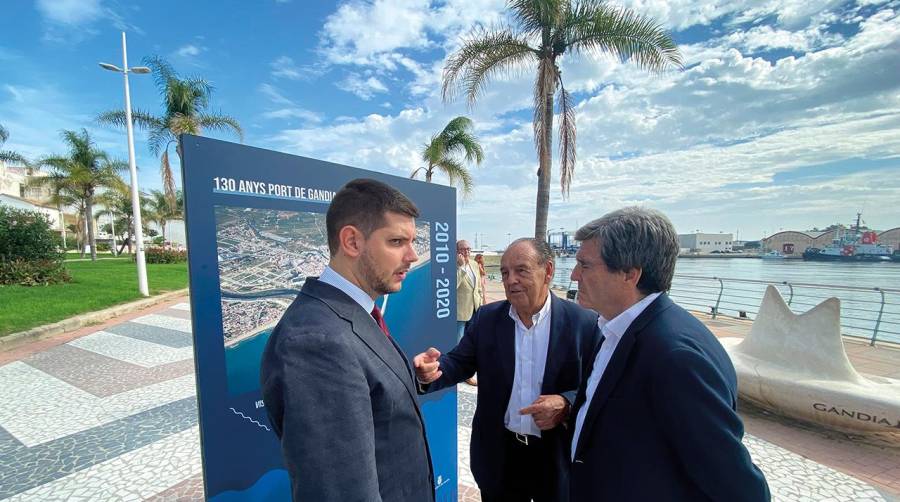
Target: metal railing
[869,313]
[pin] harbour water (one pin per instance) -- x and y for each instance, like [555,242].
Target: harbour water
[696,287]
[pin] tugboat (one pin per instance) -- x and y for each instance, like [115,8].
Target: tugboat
[851,245]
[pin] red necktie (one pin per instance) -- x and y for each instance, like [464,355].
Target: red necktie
[376,314]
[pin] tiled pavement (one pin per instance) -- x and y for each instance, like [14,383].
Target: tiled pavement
[111,415]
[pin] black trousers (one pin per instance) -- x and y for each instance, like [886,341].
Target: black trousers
[528,475]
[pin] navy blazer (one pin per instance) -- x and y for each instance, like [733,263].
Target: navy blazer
[662,424]
[488,348]
[341,397]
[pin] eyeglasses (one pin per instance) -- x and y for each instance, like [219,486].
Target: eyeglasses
[464,249]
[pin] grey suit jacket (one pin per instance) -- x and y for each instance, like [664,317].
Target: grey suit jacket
[341,397]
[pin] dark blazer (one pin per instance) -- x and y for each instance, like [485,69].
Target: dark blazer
[662,423]
[341,397]
[488,347]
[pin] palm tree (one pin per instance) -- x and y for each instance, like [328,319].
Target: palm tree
[160,211]
[8,155]
[185,103]
[117,200]
[61,195]
[83,171]
[548,29]
[440,153]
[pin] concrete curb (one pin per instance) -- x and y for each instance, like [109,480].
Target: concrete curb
[79,321]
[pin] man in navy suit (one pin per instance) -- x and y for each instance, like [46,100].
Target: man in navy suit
[340,394]
[655,417]
[528,353]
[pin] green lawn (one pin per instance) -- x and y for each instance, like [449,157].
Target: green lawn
[94,286]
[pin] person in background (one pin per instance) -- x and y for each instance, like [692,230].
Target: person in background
[468,291]
[479,259]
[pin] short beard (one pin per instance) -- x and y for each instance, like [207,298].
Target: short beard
[369,272]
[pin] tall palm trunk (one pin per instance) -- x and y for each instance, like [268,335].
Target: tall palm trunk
[429,172]
[542,208]
[62,223]
[89,217]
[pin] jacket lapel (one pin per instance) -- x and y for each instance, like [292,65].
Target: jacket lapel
[555,351]
[506,346]
[365,328]
[617,364]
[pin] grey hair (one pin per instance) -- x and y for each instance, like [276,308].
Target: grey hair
[541,249]
[636,237]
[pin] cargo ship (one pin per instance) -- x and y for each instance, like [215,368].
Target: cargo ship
[852,245]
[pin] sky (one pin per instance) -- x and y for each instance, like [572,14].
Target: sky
[785,116]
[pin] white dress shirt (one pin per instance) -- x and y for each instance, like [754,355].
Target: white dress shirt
[531,358]
[611,331]
[329,276]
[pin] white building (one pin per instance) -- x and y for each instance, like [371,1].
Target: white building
[19,203]
[705,243]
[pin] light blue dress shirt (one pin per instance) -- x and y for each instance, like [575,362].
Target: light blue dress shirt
[612,332]
[329,276]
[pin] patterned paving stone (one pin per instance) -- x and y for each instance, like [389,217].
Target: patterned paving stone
[36,407]
[162,321]
[181,314]
[154,334]
[133,476]
[8,442]
[100,375]
[791,477]
[70,454]
[189,490]
[131,350]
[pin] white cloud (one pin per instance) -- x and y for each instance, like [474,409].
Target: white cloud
[288,109]
[364,88]
[285,67]
[71,12]
[360,30]
[189,51]
[72,21]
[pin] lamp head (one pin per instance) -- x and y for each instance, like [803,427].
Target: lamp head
[110,67]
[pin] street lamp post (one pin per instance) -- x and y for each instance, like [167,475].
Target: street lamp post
[132,167]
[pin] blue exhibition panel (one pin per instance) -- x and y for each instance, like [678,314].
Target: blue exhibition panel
[255,222]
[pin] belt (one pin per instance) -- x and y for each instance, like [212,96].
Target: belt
[525,439]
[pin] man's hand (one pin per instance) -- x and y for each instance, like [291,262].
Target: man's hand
[460,259]
[547,411]
[427,366]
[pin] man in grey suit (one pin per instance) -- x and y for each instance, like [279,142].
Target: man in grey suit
[339,392]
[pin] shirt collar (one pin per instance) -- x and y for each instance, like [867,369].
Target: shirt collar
[332,277]
[618,325]
[536,318]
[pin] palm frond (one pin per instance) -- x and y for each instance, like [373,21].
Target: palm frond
[140,118]
[457,173]
[596,27]
[416,172]
[535,16]
[221,123]
[4,134]
[566,140]
[162,71]
[183,124]
[168,178]
[10,157]
[485,54]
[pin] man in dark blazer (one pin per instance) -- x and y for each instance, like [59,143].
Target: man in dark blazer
[528,353]
[340,394]
[655,417]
